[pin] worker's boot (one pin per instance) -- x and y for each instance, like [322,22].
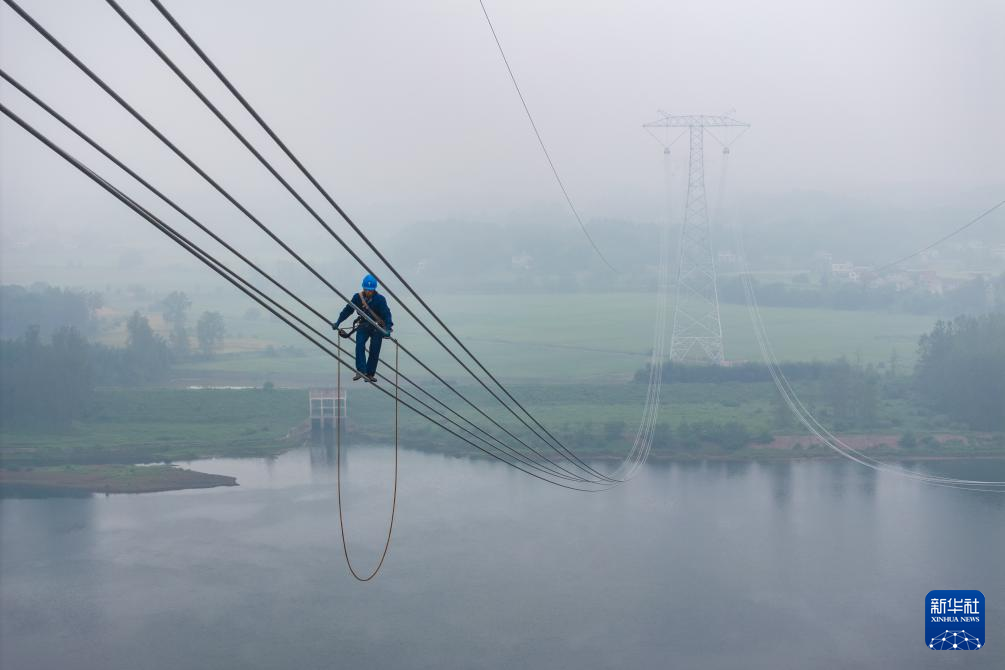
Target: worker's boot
[358,375]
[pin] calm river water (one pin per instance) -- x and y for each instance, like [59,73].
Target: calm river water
[792,565]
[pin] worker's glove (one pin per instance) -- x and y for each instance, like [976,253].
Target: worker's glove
[336,325]
[387,333]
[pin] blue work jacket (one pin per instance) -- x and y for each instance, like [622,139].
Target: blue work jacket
[377,303]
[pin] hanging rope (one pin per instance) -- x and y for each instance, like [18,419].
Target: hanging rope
[338,473]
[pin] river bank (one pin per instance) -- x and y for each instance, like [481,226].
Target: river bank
[73,480]
[130,426]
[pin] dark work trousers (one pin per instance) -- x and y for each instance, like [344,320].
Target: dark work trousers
[362,364]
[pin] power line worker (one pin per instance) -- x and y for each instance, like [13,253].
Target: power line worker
[374,305]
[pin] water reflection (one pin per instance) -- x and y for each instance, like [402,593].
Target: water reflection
[322,449]
[490,568]
[780,475]
[46,528]
[868,482]
[735,469]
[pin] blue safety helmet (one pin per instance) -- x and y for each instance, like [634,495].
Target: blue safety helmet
[370,283]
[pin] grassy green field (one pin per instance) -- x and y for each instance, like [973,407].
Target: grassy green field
[148,425]
[565,337]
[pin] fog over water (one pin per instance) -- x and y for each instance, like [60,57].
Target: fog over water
[717,565]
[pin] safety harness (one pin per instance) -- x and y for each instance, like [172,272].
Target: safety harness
[359,321]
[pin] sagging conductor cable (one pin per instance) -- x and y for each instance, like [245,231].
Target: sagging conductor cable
[832,441]
[792,400]
[255,294]
[554,443]
[77,131]
[813,425]
[209,63]
[139,117]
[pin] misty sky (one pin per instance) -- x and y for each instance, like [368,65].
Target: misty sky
[405,109]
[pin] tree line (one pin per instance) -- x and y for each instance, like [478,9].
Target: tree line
[50,308]
[961,370]
[51,383]
[47,307]
[49,369]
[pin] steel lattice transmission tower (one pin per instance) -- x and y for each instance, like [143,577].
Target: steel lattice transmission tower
[697,328]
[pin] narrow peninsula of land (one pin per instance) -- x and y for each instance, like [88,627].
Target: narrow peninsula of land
[85,479]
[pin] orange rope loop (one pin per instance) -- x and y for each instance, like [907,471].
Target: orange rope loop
[338,473]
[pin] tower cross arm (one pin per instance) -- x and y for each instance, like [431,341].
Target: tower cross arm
[693,120]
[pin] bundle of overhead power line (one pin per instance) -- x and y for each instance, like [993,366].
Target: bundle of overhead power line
[532,449]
